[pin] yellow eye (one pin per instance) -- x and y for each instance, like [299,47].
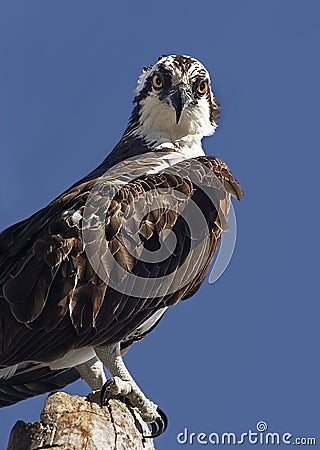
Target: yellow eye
[157,82]
[202,87]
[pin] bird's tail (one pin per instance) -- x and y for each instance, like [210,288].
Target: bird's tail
[34,381]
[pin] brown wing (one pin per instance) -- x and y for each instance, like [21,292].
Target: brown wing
[222,171]
[77,274]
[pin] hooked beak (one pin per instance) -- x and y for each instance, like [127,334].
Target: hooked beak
[180,98]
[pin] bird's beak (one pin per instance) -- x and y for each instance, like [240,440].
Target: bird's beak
[180,98]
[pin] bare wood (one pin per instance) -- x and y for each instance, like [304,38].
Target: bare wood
[73,423]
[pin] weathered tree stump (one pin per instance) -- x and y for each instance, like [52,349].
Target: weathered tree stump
[73,423]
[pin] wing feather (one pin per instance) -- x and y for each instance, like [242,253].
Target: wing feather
[54,297]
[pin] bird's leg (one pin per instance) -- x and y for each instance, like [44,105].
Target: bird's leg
[123,384]
[92,372]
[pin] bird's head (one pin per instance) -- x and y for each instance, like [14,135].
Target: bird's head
[174,102]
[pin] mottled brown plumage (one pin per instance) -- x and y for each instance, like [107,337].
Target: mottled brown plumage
[49,290]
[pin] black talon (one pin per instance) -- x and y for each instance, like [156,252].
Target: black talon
[103,394]
[159,426]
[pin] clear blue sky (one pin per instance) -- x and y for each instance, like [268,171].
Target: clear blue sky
[246,348]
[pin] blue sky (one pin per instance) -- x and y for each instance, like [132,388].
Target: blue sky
[246,348]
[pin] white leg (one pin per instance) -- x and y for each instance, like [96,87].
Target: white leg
[92,372]
[123,384]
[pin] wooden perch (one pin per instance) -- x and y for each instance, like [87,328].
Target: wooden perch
[73,423]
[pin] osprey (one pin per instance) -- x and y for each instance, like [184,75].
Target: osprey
[95,270]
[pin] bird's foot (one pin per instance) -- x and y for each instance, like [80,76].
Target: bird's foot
[148,410]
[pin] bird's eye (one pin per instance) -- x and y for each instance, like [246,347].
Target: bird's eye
[157,82]
[202,87]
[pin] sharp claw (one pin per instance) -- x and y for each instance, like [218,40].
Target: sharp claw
[155,427]
[103,395]
[159,426]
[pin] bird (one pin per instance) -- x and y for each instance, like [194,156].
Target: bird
[98,268]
